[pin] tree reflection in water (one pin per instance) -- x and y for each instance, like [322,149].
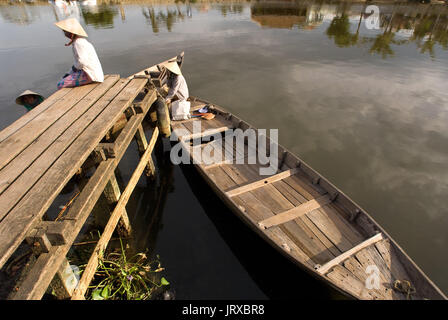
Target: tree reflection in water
[101,16]
[168,17]
[424,25]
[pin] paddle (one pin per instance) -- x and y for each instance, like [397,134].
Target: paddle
[206,116]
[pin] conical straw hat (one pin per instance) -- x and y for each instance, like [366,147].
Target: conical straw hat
[71,25]
[173,67]
[19,99]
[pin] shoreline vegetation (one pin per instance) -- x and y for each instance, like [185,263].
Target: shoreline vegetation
[159,2]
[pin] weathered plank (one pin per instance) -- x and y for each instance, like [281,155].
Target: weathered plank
[20,139]
[255,210]
[344,279]
[294,213]
[112,194]
[370,258]
[204,133]
[35,284]
[388,254]
[261,183]
[34,204]
[327,266]
[358,271]
[328,218]
[296,230]
[142,145]
[90,269]
[297,199]
[269,197]
[30,115]
[12,195]
[37,281]
[23,160]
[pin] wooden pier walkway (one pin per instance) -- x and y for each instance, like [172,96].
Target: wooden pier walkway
[44,149]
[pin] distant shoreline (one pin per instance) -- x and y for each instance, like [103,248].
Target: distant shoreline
[99,2]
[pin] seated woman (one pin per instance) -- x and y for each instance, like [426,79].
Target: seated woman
[87,67]
[177,86]
[29,99]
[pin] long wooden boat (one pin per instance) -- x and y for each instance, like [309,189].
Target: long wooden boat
[298,211]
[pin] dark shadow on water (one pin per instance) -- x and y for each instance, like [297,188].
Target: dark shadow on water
[273,273]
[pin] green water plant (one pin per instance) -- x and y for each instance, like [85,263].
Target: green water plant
[120,278]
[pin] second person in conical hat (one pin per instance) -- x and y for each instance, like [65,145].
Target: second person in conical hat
[87,67]
[29,99]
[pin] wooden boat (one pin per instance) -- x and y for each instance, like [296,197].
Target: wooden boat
[299,212]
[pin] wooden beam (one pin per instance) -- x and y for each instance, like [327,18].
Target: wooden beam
[38,279]
[22,138]
[35,203]
[55,231]
[38,241]
[294,213]
[47,264]
[63,131]
[30,115]
[327,266]
[112,194]
[260,183]
[90,269]
[142,145]
[205,133]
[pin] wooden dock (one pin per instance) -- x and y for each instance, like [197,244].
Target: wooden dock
[44,149]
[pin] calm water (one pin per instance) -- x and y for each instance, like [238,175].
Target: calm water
[367,108]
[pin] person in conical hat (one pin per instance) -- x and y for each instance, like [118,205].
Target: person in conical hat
[177,88]
[29,99]
[173,67]
[87,67]
[177,85]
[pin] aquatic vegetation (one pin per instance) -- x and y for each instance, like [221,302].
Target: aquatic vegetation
[120,278]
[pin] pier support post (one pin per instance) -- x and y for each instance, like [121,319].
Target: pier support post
[112,194]
[65,281]
[142,145]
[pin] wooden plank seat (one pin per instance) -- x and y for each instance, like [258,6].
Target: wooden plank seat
[327,266]
[260,183]
[295,213]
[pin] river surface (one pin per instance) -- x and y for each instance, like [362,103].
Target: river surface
[363,101]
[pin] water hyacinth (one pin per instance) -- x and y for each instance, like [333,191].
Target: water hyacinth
[121,278]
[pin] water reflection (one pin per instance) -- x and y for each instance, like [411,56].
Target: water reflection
[19,13]
[230,8]
[65,9]
[99,16]
[344,23]
[399,23]
[157,16]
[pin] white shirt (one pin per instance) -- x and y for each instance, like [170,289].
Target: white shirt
[86,59]
[178,87]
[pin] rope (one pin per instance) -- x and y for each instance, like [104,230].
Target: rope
[406,287]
